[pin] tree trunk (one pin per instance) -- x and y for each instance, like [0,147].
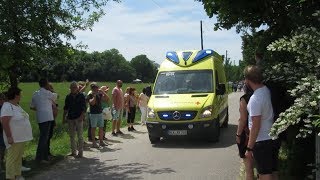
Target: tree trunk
[13,77]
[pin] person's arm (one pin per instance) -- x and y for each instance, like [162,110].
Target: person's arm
[105,96]
[139,98]
[256,124]
[127,103]
[83,107]
[84,86]
[66,108]
[243,119]
[32,104]
[255,111]
[114,97]
[92,100]
[6,128]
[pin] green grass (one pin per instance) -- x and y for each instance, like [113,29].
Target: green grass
[60,146]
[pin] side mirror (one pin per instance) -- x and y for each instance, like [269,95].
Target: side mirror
[221,89]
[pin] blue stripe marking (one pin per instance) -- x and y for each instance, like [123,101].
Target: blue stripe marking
[186,55]
[202,54]
[172,56]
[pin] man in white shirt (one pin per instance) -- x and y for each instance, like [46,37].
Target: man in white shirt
[264,150]
[42,101]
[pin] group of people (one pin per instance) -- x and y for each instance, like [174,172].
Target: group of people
[255,122]
[17,129]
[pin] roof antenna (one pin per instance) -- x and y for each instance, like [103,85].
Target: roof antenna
[201,35]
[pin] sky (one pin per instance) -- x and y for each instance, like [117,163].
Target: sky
[153,27]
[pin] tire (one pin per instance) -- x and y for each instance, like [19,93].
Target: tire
[154,140]
[226,121]
[214,136]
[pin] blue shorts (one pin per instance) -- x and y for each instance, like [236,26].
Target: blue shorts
[116,114]
[96,120]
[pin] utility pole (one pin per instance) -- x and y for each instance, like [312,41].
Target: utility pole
[201,35]
[226,55]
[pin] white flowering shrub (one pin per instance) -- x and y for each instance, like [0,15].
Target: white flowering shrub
[302,76]
[305,110]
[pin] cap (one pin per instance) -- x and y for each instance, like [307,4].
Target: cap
[94,84]
[104,88]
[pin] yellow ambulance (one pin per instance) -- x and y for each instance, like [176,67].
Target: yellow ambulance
[189,97]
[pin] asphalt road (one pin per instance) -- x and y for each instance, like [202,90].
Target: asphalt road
[133,157]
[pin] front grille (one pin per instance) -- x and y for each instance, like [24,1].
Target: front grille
[172,115]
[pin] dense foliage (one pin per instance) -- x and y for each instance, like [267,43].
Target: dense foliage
[108,65]
[233,71]
[305,77]
[37,31]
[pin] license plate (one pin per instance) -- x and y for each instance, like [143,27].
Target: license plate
[177,132]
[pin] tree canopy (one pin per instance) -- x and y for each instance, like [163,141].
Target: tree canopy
[33,31]
[145,68]
[108,65]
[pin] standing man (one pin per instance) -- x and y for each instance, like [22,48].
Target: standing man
[264,150]
[117,108]
[74,110]
[96,118]
[42,101]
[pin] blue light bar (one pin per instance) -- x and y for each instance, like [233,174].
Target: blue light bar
[172,56]
[202,54]
[188,115]
[186,55]
[165,115]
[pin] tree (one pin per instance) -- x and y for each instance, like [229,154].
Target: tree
[146,69]
[278,15]
[233,72]
[32,31]
[278,19]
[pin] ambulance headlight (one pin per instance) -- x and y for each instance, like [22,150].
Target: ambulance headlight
[206,112]
[151,114]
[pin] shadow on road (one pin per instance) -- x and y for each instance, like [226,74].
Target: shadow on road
[139,132]
[94,169]
[227,139]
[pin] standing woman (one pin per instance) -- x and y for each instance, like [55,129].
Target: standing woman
[126,100]
[131,108]
[105,103]
[143,104]
[17,131]
[242,135]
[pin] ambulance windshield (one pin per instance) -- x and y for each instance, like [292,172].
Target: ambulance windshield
[184,82]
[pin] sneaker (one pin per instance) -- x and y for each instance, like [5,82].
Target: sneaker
[114,134]
[129,129]
[95,145]
[25,169]
[133,129]
[103,144]
[119,132]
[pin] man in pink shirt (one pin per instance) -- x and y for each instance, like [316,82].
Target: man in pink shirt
[117,108]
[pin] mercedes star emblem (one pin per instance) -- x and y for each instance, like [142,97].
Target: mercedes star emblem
[176,115]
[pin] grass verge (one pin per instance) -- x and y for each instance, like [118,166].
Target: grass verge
[60,145]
